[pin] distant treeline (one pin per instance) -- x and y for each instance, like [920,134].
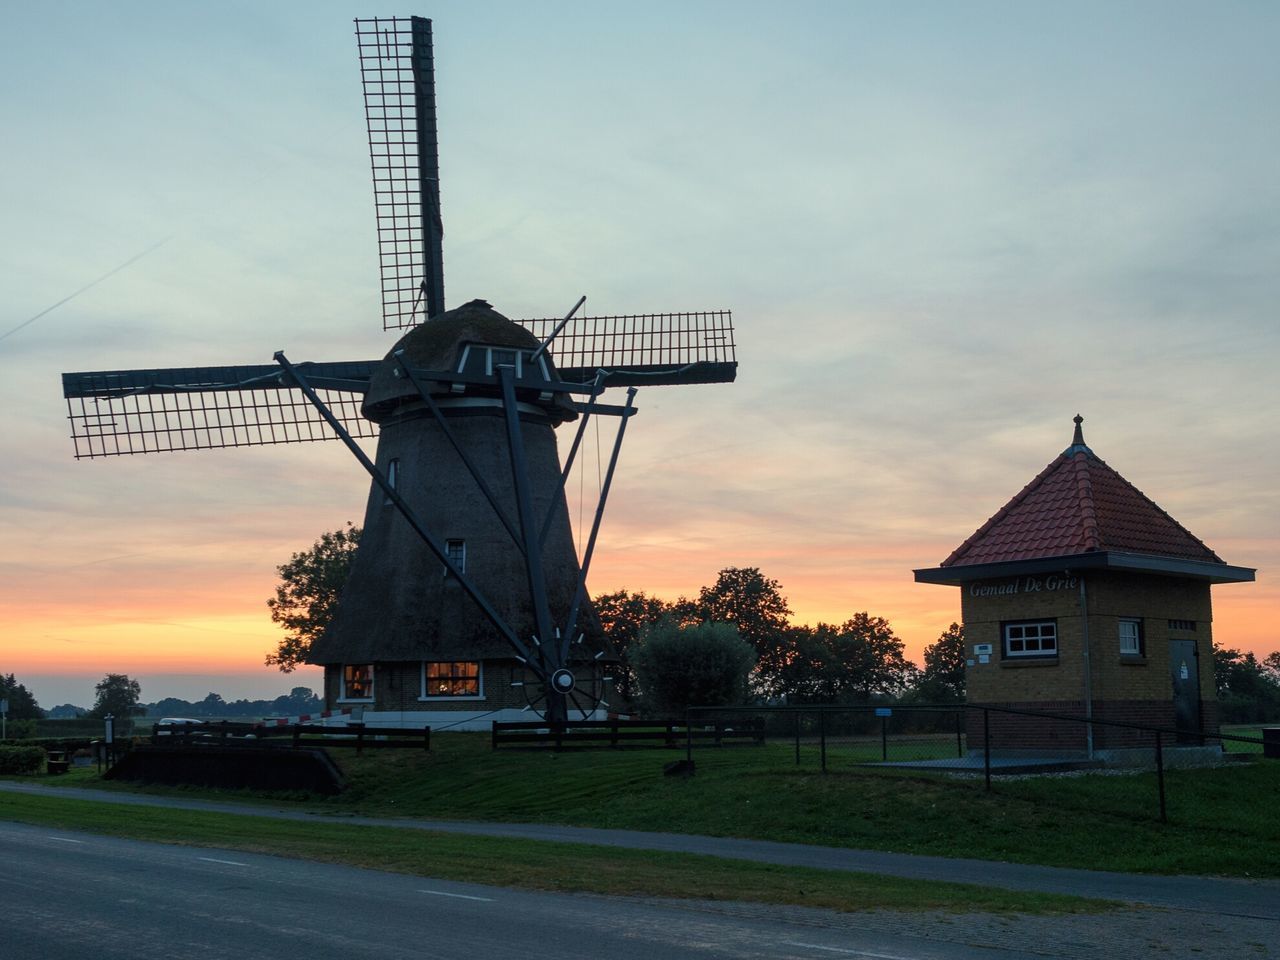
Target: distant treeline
[297,701]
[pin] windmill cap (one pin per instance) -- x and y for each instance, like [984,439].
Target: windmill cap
[437,345]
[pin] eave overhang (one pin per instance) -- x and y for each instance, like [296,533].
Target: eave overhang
[1083,562]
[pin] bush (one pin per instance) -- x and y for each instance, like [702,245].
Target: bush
[21,759]
[20,729]
[705,665]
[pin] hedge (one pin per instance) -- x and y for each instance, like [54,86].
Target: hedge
[21,759]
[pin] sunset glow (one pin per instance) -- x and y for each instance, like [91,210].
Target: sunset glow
[942,234]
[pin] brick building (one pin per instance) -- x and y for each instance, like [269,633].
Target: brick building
[1082,597]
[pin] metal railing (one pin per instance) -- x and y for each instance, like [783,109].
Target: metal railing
[963,739]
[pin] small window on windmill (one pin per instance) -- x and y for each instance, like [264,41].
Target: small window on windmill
[393,479]
[456,551]
[499,357]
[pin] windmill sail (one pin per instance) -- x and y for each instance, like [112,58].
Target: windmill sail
[119,412]
[397,70]
[643,349]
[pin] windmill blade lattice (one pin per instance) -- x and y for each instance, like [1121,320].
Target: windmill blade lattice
[649,349]
[398,74]
[118,412]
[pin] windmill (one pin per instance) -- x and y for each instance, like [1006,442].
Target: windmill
[467,557]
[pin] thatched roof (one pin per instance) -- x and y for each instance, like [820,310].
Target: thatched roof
[437,345]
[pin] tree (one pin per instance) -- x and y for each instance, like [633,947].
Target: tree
[754,604]
[299,700]
[118,696]
[704,665]
[1271,666]
[22,705]
[307,595]
[860,659]
[942,680]
[1247,691]
[624,616]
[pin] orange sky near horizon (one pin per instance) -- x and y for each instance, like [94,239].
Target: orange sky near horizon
[223,626]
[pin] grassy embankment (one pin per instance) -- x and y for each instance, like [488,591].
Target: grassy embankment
[532,864]
[1221,820]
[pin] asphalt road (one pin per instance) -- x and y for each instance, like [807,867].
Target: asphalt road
[77,896]
[72,895]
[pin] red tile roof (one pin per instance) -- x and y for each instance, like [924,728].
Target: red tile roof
[1077,505]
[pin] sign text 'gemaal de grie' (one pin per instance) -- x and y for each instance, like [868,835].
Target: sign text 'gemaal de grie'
[1023,585]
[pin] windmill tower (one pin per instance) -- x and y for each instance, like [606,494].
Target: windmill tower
[466,594]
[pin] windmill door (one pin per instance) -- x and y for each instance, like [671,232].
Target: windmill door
[1185,663]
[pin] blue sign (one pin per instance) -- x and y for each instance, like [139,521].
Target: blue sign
[884,712]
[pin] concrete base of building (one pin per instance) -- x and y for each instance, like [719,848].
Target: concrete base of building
[1174,757]
[1125,758]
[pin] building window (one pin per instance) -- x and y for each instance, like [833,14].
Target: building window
[456,551]
[1031,638]
[451,679]
[1131,637]
[393,479]
[357,681]
[1182,625]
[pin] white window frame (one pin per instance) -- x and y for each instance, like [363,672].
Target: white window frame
[1029,639]
[425,697]
[1129,633]
[342,681]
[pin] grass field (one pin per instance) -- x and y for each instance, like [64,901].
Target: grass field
[1250,730]
[533,864]
[1221,819]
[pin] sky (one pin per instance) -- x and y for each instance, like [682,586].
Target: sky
[943,229]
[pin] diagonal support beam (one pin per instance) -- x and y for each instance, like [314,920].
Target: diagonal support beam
[597,386]
[571,623]
[549,649]
[435,546]
[470,464]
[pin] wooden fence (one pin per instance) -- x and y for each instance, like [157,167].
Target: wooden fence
[355,735]
[621,733]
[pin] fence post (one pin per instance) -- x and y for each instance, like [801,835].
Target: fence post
[986,746]
[688,737]
[822,737]
[494,736]
[884,739]
[613,732]
[1164,816]
[797,714]
[297,736]
[360,740]
[959,739]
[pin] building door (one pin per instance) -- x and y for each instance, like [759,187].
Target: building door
[1184,660]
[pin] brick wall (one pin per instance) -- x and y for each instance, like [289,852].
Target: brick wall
[1136,689]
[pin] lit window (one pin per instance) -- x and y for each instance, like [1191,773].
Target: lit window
[357,681]
[456,551]
[451,679]
[393,478]
[1131,637]
[1037,638]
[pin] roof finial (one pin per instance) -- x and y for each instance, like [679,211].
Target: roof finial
[1078,439]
